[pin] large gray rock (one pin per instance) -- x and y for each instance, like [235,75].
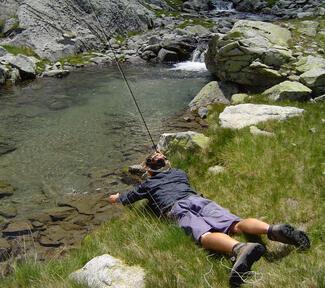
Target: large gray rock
[288,90]
[310,62]
[25,65]
[252,53]
[209,94]
[106,271]
[185,140]
[59,28]
[243,115]
[8,8]
[314,79]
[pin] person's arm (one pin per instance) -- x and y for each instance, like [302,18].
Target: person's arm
[138,193]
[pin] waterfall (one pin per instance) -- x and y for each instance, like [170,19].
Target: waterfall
[197,62]
[223,5]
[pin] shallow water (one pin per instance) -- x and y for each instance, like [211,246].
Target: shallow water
[65,128]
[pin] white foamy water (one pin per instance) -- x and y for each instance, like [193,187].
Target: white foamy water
[190,66]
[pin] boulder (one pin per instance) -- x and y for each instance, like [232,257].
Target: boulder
[183,46]
[167,56]
[315,80]
[310,62]
[209,94]
[251,53]
[185,140]
[107,271]
[67,35]
[239,98]
[25,65]
[243,115]
[288,90]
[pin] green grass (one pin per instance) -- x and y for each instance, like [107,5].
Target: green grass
[271,3]
[20,50]
[77,59]
[279,179]
[195,21]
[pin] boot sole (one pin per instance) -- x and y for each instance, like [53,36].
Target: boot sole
[244,264]
[295,237]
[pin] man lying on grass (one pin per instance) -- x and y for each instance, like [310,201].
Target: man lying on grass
[170,194]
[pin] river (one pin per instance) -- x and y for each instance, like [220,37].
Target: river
[64,128]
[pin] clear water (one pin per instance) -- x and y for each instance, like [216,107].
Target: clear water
[65,128]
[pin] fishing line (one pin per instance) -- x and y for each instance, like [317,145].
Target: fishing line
[123,76]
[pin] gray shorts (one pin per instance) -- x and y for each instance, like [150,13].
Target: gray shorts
[197,216]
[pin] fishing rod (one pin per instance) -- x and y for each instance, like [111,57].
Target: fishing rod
[154,146]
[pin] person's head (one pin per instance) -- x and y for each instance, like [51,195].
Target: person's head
[156,163]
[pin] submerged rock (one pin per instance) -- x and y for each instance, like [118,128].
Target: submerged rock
[18,228]
[6,189]
[107,271]
[288,90]
[243,115]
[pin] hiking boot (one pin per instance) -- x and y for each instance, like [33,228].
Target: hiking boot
[246,254]
[285,233]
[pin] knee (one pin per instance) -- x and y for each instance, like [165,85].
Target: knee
[240,226]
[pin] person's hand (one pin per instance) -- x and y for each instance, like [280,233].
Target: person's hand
[112,199]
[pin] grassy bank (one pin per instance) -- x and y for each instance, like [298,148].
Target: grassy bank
[278,179]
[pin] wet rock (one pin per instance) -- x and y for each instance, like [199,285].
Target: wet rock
[56,73]
[85,204]
[209,94]
[288,90]
[18,228]
[53,236]
[167,56]
[6,146]
[6,189]
[5,249]
[8,212]
[243,115]
[185,140]
[25,65]
[107,271]
[258,132]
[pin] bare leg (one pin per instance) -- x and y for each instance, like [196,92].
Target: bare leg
[219,242]
[251,226]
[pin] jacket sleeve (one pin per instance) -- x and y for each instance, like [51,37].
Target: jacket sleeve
[137,193]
